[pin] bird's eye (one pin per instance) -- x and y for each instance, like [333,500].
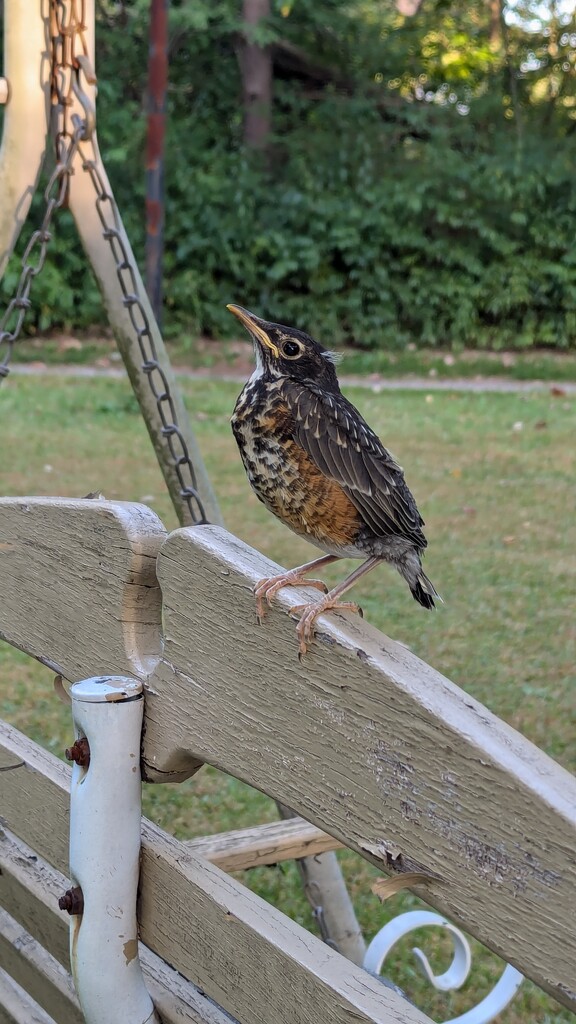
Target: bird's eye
[292,349]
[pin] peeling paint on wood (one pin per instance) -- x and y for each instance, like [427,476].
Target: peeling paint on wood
[263,844]
[361,738]
[242,952]
[381,751]
[176,999]
[79,586]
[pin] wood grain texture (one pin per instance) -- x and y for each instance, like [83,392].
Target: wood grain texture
[33,794]
[29,892]
[247,955]
[17,1007]
[374,747]
[80,576]
[29,887]
[36,970]
[263,844]
[243,953]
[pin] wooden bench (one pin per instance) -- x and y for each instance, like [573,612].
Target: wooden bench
[372,747]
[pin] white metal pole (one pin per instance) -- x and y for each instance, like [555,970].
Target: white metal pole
[25,89]
[105,811]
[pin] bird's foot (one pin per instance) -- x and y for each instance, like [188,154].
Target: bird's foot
[309,613]
[265,590]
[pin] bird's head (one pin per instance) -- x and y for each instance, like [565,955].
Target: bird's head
[286,352]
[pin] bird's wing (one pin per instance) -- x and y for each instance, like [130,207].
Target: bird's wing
[345,449]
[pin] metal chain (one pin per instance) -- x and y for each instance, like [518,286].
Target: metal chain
[35,253]
[70,61]
[66,27]
[127,278]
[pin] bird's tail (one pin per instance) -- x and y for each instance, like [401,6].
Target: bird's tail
[424,592]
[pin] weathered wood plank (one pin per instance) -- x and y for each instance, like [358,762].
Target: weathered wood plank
[248,956]
[177,1000]
[263,844]
[36,970]
[33,793]
[374,747]
[29,892]
[16,1006]
[242,952]
[81,577]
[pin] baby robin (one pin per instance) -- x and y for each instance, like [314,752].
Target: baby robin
[315,463]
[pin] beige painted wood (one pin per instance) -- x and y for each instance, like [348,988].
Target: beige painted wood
[118,614]
[29,892]
[80,577]
[243,953]
[249,957]
[322,878]
[263,844]
[33,794]
[374,747]
[177,1000]
[361,738]
[36,970]
[17,1007]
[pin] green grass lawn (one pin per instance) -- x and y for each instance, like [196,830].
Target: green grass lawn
[494,476]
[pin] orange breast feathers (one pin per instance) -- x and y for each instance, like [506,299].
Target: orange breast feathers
[315,506]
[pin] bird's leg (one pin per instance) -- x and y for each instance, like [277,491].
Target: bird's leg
[266,589]
[309,612]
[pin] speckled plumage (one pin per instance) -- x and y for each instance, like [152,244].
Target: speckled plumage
[284,476]
[315,463]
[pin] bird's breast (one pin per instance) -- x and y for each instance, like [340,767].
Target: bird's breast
[285,478]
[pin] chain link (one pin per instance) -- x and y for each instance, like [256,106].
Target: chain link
[34,257]
[67,30]
[69,62]
[128,280]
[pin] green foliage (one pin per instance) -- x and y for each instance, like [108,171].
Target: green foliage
[424,192]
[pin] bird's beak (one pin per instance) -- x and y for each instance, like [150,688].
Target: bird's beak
[253,326]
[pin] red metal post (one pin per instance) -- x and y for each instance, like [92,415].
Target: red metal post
[157,86]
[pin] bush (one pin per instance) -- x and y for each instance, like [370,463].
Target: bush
[424,227]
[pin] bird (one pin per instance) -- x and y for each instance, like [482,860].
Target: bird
[316,464]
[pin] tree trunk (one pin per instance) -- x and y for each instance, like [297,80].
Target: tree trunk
[256,69]
[408,7]
[156,130]
[495,29]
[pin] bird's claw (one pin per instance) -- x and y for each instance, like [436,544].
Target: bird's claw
[309,613]
[266,590]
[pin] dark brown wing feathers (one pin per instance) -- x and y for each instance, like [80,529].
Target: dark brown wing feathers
[345,449]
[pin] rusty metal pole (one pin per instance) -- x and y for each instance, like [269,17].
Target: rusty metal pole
[156,132]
